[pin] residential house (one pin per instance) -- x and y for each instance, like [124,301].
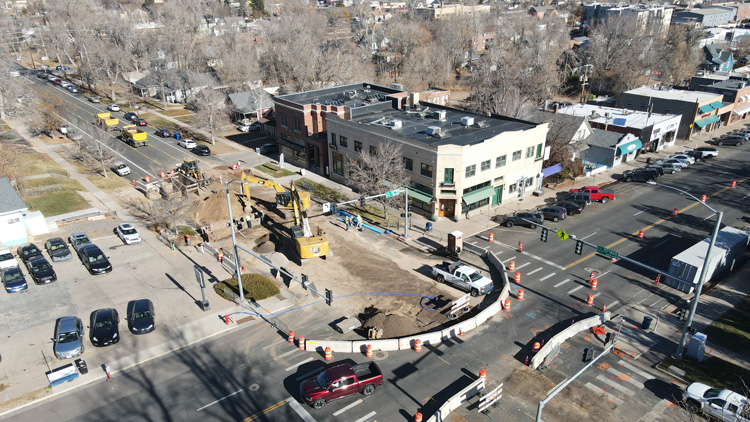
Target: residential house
[483,40]
[700,111]
[16,222]
[135,12]
[655,18]
[717,58]
[439,10]
[460,163]
[563,128]
[251,104]
[179,86]
[708,16]
[609,149]
[541,11]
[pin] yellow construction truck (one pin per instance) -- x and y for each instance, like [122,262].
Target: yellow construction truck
[106,121]
[133,136]
[306,244]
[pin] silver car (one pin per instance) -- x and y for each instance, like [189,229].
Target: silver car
[670,168]
[68,340]
[684,157]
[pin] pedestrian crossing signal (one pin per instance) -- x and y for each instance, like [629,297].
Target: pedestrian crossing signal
[579,247]
[545,232]
[329,297]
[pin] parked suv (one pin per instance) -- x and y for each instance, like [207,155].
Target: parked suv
[520,218]
[707,152]
[571,207]
[584,199]
[640,175]
[553,213]
[731,140]
[94,259]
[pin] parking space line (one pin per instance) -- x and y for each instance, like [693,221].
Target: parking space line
[521,266]
[511,258]
[273,344]
[216,401]
[575,289]
[561,283]
[601,275]
[299,364]
[632,368]
[340,411]
[625,377]
[366,417]
[546,277]
[300,410]
[597,294]
[599,390]
[532,272]
[288,353]
[584,238]
[613,304]
[615,385]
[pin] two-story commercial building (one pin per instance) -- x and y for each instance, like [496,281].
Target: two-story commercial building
[735,92]
[460,163]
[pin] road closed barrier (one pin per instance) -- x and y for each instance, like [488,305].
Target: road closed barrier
[560,338]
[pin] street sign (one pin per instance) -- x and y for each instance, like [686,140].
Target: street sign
[199,276]
[392,193]
[607,252]
[563,235]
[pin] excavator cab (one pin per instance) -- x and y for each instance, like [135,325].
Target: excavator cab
[190,165]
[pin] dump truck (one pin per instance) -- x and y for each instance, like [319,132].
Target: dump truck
[133,136]
[106,121]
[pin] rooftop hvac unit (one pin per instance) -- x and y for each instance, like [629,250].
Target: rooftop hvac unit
[467,121]
[395,123]
[440,114]
[433,130]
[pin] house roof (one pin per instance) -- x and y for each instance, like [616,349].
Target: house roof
[352,95]
[251,101]
[617,116]
[604,138]
[567,124]
[674,94]
[10,201]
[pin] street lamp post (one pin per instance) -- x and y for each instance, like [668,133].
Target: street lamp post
[237,272]
[702,278]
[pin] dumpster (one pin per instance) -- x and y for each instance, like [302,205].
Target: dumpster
[177,135]
[81,365]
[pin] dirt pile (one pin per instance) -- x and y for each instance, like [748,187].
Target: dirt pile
[214,206]
[392,325]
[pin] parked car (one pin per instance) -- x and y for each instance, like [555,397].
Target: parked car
[77,240]
[7,260]
[127,233]
[64,84]
[94,259]
[553,213]
[40,270]
[596,193]
[640,175]
[13,280]
[675,161]
[51,78]
[667,168]
[658,168]
[731,140]
[103,330]
[74,135]
[113,107]
[581,198]
[462,277]
[68,340]
[57,249]
[141,122]
[94,99]
[703,152]
[269,148]
[131,116]
[58,81]
[164,133]
[27,252]
[530,219]
[684,157]
[41,75]
[244,127]
[187,143]
[201,150]
[570,207]
[720,405]
[120,168]
[72,88]
[141,316]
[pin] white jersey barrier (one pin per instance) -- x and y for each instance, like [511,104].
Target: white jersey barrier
[565,334]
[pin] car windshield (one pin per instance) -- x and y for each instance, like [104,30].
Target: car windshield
[711,393]
[43,266]
[13,277]
[121,166]
[97,257]
[140,316]
[6,256]
[475,276]
[322,380]
[30,252]
[129,231]
[81,240]
[56,246]
[67,337]
[106,323]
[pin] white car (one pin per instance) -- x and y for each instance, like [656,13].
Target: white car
[244,127]
[187,143]
[121,168]
[64,84]
[127,233]
[722,405]
[113,107]
[684,157]
[7,260]
[675,161]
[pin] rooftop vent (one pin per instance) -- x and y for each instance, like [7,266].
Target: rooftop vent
[433,130]
[439,114]
[481,124]
[316,101]
[467,121]
[395,124]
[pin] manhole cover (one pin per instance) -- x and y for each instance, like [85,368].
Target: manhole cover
[380,355]
[254,387]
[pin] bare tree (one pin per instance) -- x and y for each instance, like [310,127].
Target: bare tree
[210,111]
[237,63]
[93,154]
[680,54]
[404,37]
[427,67]
[46,118]
[13,94]
[376,172]
[11,165]
[161,213]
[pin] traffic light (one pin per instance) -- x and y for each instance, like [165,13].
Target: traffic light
[362,201]
[544,234]
[579,247]
[305,283]
[329,297]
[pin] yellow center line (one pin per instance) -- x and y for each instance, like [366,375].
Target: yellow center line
[658,222]
[269,409]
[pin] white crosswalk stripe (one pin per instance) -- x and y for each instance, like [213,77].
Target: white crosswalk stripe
[598,390]
[633,369]
[625,377]
[615,385]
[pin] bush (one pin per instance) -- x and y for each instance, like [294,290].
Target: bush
[183,230]
[255,286]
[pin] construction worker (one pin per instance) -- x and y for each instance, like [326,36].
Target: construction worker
[359,222]
[348,221]
[220,255]
[187,240]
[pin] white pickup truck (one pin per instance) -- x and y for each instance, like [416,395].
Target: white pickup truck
[463,277]
[723,405]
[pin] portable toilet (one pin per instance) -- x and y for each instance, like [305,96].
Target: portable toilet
[455,242]
[697,346]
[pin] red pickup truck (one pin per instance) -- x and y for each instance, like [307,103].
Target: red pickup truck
[596,194]
[339,381]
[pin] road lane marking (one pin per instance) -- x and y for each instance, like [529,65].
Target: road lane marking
[632,368]
[661,243]
[709,216]
[746,196]
[532,272]
[561,283]
[299,364]
[511,258]
[596,294]
[521,266]
[530,255]
[264,411]
[366,417]
[288,353]
[574,289]
[599,390]
[216,401]
[273,344]
[546,277]
[640,212]
[300,410]
[340,411]
[602,274]
[613,304]
[615,385]
[584,238]
[307,375]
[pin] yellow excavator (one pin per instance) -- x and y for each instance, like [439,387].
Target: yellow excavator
[307,245]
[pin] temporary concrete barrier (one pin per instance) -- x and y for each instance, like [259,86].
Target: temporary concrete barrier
[336,346]
[487,313]
[477,250]
[454,331]
[452,403]
[434,337]
[387,345]
[565,334]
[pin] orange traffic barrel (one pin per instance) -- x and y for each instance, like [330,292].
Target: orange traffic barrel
[520,246]
[512,266]
[417,345]
[592,276]
[483,375]
[147,179]
[301,343]
[329,354]
[368,353]
[734,183]
[536,347]
[506,305]
[491,237]
[590,300]
[674,212]
[517,278]
[291,337]
[703,198]
[640,234]
[418,417]
[594,282]
[520,294]
[161,174]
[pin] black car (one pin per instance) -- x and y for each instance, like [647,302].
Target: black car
[659,169]
[163,133]
[40,270]
[201,150]
[530,219]
[141,316]
[583,199]
[58,250]
[27,252]
[571,207]
[131,116]
[94,259]
[103,330]
[640,175]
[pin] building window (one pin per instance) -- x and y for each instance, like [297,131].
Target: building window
[471,170]
[342,142]
[426,170]
[296,124]
[373,150]
[539,151]
[529,152]
[283,119]
[512,188]
[357,146]
[448,176]
[408,164]
[333,139]
[528,182]
[517,155]
[500,161]
[338,164]
[486,165]
[476,187]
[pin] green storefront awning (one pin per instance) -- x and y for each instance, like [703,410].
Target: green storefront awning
[707,121]
[706,108]
[420,196]
[717,105]
[629,147]
[478,195]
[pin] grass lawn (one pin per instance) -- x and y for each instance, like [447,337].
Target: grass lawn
[160,123]
[274,170]
[188,119]
[56,202]
[4,126]
[110,183]
[34,163]
[219,148]
[172,112]
[712,371]
[732,330]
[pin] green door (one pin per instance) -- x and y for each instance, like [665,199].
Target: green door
[497,198]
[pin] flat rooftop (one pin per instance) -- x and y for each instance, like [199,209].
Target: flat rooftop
[435,126]
[729,84]
[352,95]
[675,94]
[616,116]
